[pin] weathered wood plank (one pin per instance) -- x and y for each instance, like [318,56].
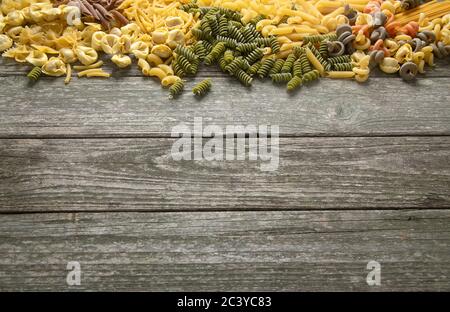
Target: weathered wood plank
[224,251]
[139,107]
[140,174]
[9,67]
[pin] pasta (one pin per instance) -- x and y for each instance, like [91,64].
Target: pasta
[310,76]
[95,72]
[187,53]
[289,63]
[408,71]
[340,74]
[215,53]
[292,41]
[297,69]
[202,88]
[314,61]
[185,65]
[169,80]
[236,64]
[277,66]
[35,73]
[343,67]
[92,66]
[177,88]
[243,77]
[68,74]
[294,83]
[304,62]
[254,69]
[254,56]
[281,77]
[265,67]
[54,67]
[121,61]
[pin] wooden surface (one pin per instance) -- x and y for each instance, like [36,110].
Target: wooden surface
[86,175]
[140,175]
[209,251]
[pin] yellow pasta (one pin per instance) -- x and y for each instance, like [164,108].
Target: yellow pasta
[86,55]
[5,43]
[167,69]
[92,66]
[67,55]
[169,80]
[121,61]
[144,66]
[54,67]
[390,65]
[96,42]
[154,59]
[95,72]
[68,75]
[340,74]
[314,61]
[37,58]
[157,72]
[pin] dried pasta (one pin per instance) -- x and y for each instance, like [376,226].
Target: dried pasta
[290,41]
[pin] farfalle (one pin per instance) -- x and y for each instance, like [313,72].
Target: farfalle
[37,58]
[31,35]
[19,53]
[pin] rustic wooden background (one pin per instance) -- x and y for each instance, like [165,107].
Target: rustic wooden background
[86,175]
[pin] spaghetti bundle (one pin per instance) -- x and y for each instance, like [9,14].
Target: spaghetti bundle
[433,9]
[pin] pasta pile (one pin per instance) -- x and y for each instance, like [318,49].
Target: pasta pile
[295,42]
[53,38]
[290,41]
[291,20]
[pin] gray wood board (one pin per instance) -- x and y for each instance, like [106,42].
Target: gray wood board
[141,175]
[129,107]
[227,251]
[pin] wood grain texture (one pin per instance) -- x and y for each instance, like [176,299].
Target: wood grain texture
[227,251]
[133,107]
[140,174]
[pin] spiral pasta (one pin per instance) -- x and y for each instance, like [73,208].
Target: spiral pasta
[202,88]
[35,73]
